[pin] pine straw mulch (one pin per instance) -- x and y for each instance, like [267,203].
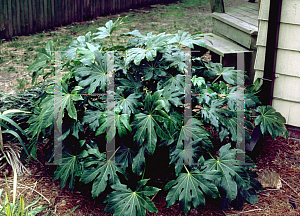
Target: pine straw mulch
[281,155]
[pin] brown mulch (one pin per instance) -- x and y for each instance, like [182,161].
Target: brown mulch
[281,155]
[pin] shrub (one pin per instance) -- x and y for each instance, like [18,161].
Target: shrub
[148,115]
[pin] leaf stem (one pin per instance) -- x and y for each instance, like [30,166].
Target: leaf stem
[112,44]
[114,153]
[211,155]
[216,78]
[186,168]
[144,172]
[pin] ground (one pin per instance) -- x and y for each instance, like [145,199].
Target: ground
[281,155]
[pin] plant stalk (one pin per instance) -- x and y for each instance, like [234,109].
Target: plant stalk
[216,79]
[1,139]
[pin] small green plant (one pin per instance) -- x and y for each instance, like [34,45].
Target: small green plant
[11,69]
[21,83]
[15,207]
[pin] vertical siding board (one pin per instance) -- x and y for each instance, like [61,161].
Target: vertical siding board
[22,16]
[63,10]
[85,9]
[108,7]
[18,25]
[118,9]
[37,12]
[71,19]
[97,7]
[49,13]
[82,10]
[14,17]
[30,16]
[129,4]
[26,16]
[74,11]
[2,26]
[10,23]
[68,11]
[134,3]
[4,23]
[57,11]
[78,10]
[93,8]
[113,10]
[42,18]
[45,15]
[88,9]
[52,14]
[102,7]
[122,5]
[34,16]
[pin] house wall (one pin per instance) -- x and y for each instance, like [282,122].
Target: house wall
[286,96]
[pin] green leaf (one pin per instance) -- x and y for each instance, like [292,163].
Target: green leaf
[124,201]
[171,82]
[184,154]
[132,84]
[44,115]
[193,130]
[189,188]
[109,28]
[69,169]
[198,81]
[153,45]
[185,39]
[235,129]
[125,156]
[233,173]
[149,124]
[176,59]
[95,74]
[128,105]
[229,74]
[171,96]
[139,161]
[105,172]
[270,121]
[91,117]
[152,69]
[213,114]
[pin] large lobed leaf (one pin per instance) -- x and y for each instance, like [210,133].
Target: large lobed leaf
[270,121]
[153,45]
[69,169]
[124,201]
[189,188]
[149,124]
[104,173]
[93,75]
[233,173]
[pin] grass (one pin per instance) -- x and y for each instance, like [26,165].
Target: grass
[187,15]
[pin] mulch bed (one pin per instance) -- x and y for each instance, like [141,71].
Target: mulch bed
[281,155]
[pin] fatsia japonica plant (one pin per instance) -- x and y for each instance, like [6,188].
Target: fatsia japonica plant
[146,122]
